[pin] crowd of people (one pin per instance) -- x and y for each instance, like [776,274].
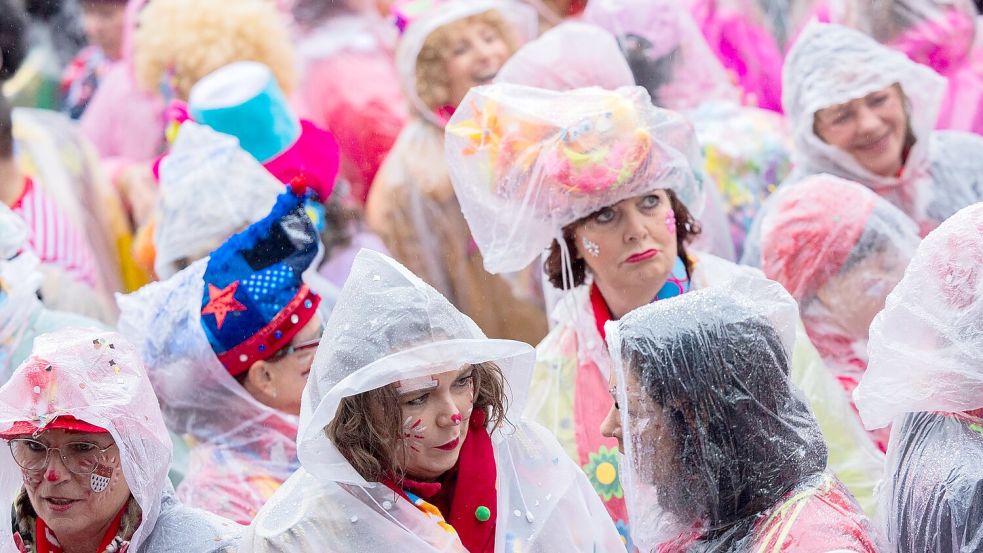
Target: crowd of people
[491,276]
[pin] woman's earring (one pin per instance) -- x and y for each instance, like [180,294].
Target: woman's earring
[592,248]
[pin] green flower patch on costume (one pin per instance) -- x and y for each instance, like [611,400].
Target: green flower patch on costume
[602,471]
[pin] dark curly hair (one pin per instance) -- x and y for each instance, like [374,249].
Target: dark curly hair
[687,228]
[13,38]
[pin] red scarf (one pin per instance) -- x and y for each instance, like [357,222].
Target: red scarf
[475,471]
[42,545]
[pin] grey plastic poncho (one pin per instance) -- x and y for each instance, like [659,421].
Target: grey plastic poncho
[721,451]
[388,326]
[926,375]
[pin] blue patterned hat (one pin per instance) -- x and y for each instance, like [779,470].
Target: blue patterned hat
[254,299]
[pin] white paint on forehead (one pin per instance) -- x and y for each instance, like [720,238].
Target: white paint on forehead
[409,385]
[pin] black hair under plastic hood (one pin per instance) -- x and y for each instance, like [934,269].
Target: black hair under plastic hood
[715,433]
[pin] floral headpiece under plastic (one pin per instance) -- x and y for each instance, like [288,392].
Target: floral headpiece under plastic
[526,162]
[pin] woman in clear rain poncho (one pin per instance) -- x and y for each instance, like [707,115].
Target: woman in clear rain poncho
[746,149]
[228,343]
[864,112]
[407,443]
[721,451]
[448,49]
[839,249]
[22,315]
[941,34]
[88,456]
[604,180]
[926,377]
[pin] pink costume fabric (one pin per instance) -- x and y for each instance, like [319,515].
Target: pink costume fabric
[350,86]
[744,45]
[123,122]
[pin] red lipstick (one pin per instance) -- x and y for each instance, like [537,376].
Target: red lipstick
[638,257]
[449,446]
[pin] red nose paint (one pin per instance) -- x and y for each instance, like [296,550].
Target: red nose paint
[52,476]
[456,418]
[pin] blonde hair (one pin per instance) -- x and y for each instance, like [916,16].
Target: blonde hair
[192,38]
[431,75]
[367,428]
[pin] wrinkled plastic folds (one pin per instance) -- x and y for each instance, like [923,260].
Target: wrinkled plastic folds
[241,450]
[925,346]
[568,56]
[930,499]
[667,54]
[389,325]
[521,17]
[695,371]
[118,397]
[210,189]
[941,34]
[527,162]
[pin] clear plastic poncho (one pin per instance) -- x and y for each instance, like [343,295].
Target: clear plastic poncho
[721,451]
[98,377]
[839,249]
[830,65]
[926,375]
[210,189]
[746,150]
[526,162]
[241,450]
[941,34]
[389,325]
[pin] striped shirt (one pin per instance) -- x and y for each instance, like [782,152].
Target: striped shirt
[53,237]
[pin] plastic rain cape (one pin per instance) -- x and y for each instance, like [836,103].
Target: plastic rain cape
[119,398]
[241,450]
[926,375]
[210,189]
[388,326]
[839,249]
[526,162]
[720,448]
[831,65]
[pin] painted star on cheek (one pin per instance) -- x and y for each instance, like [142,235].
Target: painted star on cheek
[221,302]
[413,432]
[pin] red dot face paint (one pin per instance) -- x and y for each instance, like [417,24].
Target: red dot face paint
[456,418]
[52,475]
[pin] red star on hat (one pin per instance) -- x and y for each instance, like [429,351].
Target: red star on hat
[221,302]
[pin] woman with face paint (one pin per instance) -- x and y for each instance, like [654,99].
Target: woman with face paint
[410,439]
[925,378]
[89,455]
[839,249]
[722,453]
[446,48]
[864,112]
[605,181]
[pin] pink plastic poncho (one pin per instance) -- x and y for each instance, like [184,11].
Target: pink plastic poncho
[941,34]
[839,249]
[926,375]
[99,378]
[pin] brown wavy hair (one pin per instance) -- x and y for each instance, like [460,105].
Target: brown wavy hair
[367,428]
[687,228]
[431,74]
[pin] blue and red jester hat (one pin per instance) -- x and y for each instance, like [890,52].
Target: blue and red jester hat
[254,299]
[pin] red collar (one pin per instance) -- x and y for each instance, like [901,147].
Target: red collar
[602,313]
[475,471]
[42,545]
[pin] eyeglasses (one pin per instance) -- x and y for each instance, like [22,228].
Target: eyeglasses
[78,457]
[294,348]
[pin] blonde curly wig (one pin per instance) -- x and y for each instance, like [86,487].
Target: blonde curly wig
[431,73]
[192,38]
